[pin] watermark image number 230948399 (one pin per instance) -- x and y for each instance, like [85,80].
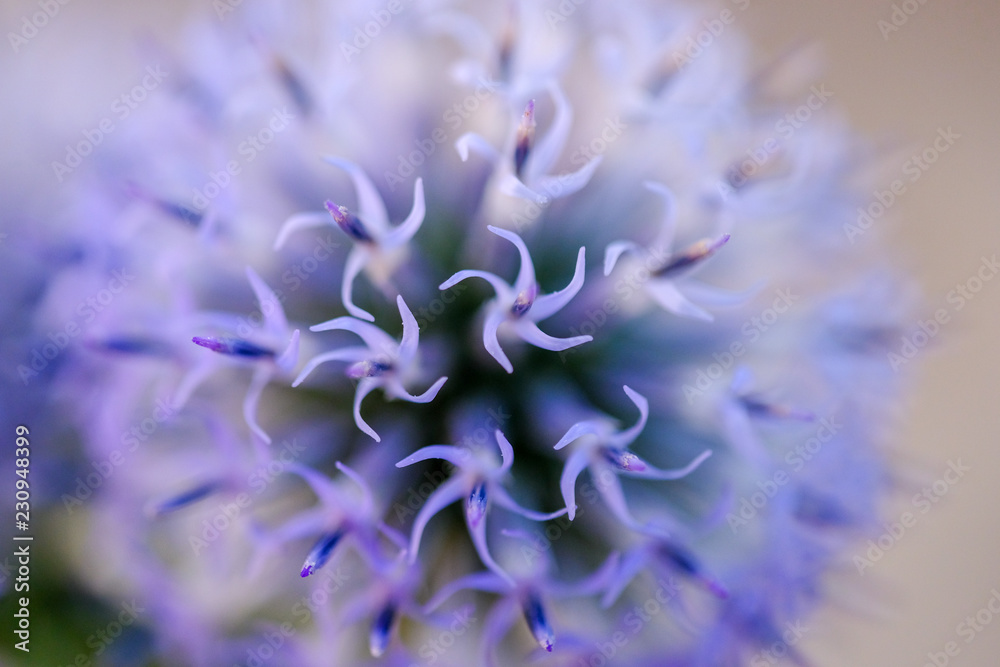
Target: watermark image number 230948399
[22,550]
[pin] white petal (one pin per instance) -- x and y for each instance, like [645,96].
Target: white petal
[286,362]
[504,499]
[301,221]
[506,451]
[457,456]
[563,185]
[502,289]
[530,333]
[396,390]
[614,496]
[478,144]
[668,224]
[192,379]
[365,387]
[261,377]
[575,464]
[580,429]
[356,261]
[616,250]
[549,147]
[667,295]
[512,186]
[406,229]
[366,492]
[631,565]
[444,495]
[344,354]
[494,318]
[720,298]
[526,274]
[628,436]
[550,304]
[371,208]
[377,340]
[411,333]
[652,472]
[270,305]
[478,534]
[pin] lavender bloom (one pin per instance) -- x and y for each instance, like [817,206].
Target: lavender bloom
[673,267]
[520,306]
[479,481]
[268,362]
[578,120]
[381,363]
[523,169]
[525,594]
[605,452]
[340,516]
[378,250]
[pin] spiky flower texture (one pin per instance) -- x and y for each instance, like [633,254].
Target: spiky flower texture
[632,373]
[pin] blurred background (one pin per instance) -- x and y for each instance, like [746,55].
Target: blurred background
[902,71]
[902,83]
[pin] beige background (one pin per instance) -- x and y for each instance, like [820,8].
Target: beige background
[938,70]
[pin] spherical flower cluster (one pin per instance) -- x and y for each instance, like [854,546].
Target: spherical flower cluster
[471,334]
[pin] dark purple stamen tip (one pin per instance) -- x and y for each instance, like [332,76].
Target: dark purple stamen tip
[128,345]
[538,623]
[695,253]
[525,138]
[381,627]
[236,347]
[321,552]
[758,408]
[189,497]
[349,222]
[183,213]
[623,459]
[368,369]
[475,507]
[524,301]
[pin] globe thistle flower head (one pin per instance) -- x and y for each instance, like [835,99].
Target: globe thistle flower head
[705,337]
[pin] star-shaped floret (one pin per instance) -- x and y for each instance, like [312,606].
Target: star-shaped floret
[231,463]
[526,592]
[670,284]
[378,248]
[605,452]
[741,406]
[477,478]
[341,515]
[381,362]
[524,168]
[258,349]
[520,305]
[661,553]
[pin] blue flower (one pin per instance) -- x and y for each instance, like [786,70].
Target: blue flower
[605,452]
[267,361]
[523,169]
[479,481]
[670,272]
[381,363]
[520,306]
[564,125]
[378,249]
